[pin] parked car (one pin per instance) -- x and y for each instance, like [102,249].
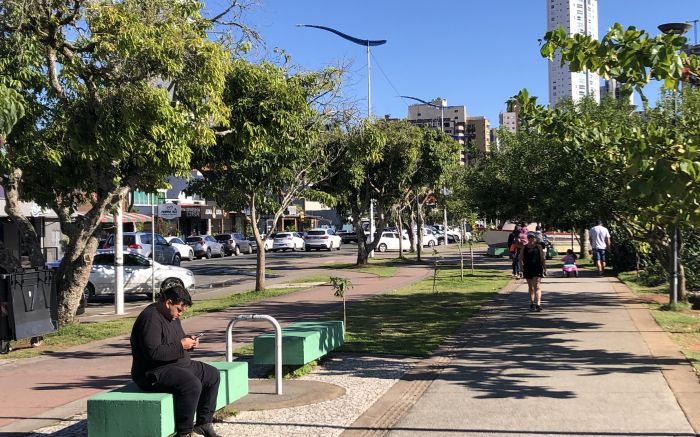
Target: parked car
[137,275]
[234,243]
[140,243]
[266,241]
[287,240]
[390,241]
[319,238]
[429,238]
[186,252]
[205,246]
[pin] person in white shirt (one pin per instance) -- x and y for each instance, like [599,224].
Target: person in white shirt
[599,236]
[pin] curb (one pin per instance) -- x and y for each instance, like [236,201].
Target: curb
[386,412]
[681,379]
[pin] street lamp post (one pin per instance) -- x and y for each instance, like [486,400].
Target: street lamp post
[442,129]
[367,43]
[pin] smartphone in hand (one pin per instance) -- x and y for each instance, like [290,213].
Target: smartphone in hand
[201,334]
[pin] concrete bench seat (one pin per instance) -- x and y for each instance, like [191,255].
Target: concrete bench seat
[302,342]
[130,411]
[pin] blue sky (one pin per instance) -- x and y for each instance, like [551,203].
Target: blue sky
[471,52]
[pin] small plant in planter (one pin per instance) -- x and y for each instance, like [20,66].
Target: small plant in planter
[340,286]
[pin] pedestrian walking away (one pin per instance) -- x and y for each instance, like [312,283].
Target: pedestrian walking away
[161,363]
[532,264]
[599,237]
[513,250]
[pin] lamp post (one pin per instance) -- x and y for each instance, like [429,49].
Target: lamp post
[442,129]
[367,43]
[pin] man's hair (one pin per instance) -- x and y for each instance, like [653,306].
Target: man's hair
[176,294]
[599,222]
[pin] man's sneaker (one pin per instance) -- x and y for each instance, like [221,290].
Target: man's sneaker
[532,307]
[538,307]
[206,429]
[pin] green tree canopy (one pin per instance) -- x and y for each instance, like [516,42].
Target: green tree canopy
[271,151]
[116,95]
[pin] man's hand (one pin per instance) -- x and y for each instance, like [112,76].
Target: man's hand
[189,342]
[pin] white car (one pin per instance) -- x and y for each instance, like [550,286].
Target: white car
[390,241]
[267,242]
[287,240]
[429,238]
[186,252]
[137,275]
[325,238]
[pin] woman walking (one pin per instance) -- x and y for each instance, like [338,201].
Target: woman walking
[532,265]
[513,250]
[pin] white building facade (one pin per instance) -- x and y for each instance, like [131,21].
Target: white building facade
[575,16]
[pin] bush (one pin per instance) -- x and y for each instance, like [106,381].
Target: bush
[654,274]
[623,253]
[690,257]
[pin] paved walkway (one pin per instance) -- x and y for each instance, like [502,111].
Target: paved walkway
[593,363]
[49,388]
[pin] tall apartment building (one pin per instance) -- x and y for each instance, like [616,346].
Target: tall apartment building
[576,17]
[454,120]
[612,88]
[479,134]
[509,120]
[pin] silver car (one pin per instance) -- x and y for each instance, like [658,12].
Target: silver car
[140,243]
[137,275]
[205,246]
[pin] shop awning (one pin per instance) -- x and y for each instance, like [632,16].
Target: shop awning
[128,217]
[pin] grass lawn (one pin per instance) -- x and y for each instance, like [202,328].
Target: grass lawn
[414,320]
[683,324]
[380,267]
[82,333]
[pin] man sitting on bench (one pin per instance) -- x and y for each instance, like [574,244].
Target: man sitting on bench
[161,363]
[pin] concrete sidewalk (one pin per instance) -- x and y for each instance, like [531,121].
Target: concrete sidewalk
[593,363]
[47,389]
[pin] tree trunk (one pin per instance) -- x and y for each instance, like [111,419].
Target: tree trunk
[583,243]
[30,239]
[419,231]
[362,252]
[260,255]
[662,249]
[411,234]
[72,278]
[399,224]
[73,273]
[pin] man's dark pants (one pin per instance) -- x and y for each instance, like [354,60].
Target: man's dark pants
[194,388]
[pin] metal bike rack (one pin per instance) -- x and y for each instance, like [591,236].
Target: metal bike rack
[278,343]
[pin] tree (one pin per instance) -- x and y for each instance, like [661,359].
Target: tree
[661,155]
[271,152]
[119,91]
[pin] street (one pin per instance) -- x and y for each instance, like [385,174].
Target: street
[218,277]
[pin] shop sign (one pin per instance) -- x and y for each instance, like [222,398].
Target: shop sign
[190,211]
[169,211]
[211,212]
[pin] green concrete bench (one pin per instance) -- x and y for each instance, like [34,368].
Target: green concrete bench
[302,342]
[497,251]
[129,411]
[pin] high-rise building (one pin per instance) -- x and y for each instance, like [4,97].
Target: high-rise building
[612,88]
[478,135]
[454,120]
[509,120]
[576,17]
